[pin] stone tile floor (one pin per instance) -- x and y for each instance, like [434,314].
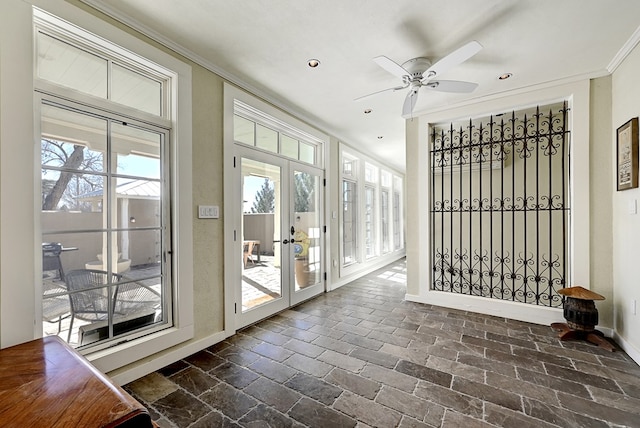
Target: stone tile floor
[361,356]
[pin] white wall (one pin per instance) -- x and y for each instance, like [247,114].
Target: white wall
[17,180]
[626,226]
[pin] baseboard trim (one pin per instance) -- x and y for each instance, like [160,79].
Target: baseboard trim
[498,308]
[156,363]
[631,350]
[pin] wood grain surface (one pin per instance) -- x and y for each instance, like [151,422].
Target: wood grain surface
[45,383]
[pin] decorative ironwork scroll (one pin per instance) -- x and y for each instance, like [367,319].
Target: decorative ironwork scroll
[500,206]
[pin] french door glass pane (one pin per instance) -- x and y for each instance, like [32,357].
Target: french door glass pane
[261,236]
[307,229]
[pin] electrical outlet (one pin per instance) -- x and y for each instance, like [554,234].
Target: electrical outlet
[208,211]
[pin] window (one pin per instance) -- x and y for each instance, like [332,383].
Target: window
[397,213]
[349,222]
[370,214]
[105,202]
[370,173]
[384,219]
[71,62]
[255,128]
[385,210]
[371,222]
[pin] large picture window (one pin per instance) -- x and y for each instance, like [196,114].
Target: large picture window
[105,223]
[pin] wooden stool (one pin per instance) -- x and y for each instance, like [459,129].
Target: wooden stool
[582,317]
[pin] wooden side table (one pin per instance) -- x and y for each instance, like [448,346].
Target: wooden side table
[46,383]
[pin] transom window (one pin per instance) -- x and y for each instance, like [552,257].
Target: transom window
[73,63]
[257,129]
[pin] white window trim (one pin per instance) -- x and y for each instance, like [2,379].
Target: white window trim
[18,214]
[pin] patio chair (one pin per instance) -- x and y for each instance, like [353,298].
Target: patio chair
[51,258]
[135,297]
[55,309]
[88,295]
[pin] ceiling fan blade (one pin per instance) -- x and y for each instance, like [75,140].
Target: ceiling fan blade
[391,66]
[456,57]
[451,86]
[410,102]
[379,92]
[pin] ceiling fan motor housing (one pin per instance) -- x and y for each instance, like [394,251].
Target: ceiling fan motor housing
[416,66]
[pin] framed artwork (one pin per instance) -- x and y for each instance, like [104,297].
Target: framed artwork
[627,155]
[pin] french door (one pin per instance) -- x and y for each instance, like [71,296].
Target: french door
[281,235]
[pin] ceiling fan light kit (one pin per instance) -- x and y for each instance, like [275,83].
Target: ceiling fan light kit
[419,73]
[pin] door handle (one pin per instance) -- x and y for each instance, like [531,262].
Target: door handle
[286,241]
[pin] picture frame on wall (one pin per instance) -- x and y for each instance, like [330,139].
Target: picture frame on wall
[627,155]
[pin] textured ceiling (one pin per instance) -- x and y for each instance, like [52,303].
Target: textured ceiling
[264,46]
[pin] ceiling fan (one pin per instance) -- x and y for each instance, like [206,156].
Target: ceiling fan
[419,73]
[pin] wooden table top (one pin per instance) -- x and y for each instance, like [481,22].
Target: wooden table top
[45,383]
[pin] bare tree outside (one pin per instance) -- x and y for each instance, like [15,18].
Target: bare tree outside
[68,165]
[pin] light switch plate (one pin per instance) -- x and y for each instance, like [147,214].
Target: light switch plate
[208,211]
[633,207]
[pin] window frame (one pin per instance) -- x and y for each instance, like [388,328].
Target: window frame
[21,204]
[164,228]
[368,175]
[261,119]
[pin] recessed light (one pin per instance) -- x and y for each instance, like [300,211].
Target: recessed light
[504,76]
[367,111]
[313,63]
[380,137]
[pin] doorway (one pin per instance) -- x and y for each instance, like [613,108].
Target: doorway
[281,236]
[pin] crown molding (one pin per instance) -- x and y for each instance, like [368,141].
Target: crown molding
[624,51]
[108,10]
[513,92]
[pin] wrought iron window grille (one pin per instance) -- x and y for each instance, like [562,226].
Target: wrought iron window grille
[500,206]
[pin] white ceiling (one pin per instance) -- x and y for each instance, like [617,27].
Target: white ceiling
[264,46]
